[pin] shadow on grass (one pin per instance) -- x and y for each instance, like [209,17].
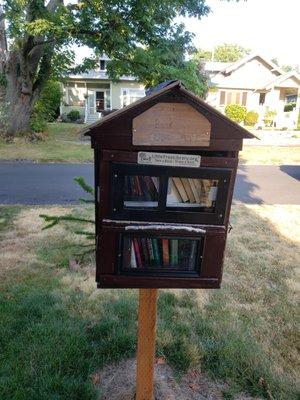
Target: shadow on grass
[57,330]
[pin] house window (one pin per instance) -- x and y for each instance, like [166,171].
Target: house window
[131,95]
[102,65]
[262,98]
[233,97]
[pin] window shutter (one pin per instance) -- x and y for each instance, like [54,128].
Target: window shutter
[222,97]
[229,97]
[244,99]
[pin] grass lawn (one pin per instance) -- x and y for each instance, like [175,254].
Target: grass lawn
[270,155]
[58,330]
[59,146]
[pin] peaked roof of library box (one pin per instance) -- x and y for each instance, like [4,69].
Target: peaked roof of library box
[221,125]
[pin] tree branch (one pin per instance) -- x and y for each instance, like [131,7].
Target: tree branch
[52,5]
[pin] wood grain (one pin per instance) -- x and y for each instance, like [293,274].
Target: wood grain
[171,124]
[146,343]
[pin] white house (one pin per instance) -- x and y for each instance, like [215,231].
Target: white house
[93,92]
[256,83]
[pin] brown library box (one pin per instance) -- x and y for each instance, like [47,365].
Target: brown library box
[165,169]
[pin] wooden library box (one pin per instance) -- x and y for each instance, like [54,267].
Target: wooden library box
[165,169]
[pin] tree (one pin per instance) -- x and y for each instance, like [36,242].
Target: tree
[224,53]
[137,35]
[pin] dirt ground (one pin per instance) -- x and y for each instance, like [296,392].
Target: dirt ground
[117,382]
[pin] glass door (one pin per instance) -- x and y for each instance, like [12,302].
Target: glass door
[100,101]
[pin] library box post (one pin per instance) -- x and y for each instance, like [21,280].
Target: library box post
[165,169]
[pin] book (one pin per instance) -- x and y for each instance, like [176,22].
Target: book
[180,188]
[165,252]
[156,251]
[145,254]
[188,189]
[155,181]
[133,262]
[150,250]
[174,252]
[184,253]
[206,184]
[195,190]
[173,195]
[193,253]
[137,253]
[140,188]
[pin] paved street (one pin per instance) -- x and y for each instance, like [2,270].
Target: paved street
[33,183]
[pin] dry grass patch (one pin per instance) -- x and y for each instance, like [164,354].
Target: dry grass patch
[270,155]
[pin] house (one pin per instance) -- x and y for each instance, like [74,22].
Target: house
[258,84]
[92,93]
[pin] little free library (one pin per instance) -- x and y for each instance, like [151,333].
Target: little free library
[165,168]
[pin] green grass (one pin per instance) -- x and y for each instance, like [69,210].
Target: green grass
[58,146]
[7,216]
[58,329]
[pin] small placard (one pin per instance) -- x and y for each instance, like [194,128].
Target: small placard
[173,160]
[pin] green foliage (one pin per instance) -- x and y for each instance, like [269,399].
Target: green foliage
[45,109]
[38,122]
[236,112]
[224,53]
[290,106]
[53,220]
[73,115]
[251,118]
[4,116]
[163,61]
[269,117]
[139,37]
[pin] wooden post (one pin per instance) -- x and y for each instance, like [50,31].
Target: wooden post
[146,343]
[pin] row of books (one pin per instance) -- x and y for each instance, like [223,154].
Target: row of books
[201,192]
[198,192]
[161,253]
[141,188]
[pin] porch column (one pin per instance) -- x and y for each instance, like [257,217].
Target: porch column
[297,108]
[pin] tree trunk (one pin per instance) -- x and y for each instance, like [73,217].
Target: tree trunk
[19,99]
[19,115]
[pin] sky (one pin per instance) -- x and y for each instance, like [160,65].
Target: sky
[269,27]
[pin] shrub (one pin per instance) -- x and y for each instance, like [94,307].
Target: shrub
[38,122]
[251,118]
[269,117]
[73,115]
[236,112]
[289,106]
[46,108]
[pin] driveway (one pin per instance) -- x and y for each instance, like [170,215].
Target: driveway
[41,184]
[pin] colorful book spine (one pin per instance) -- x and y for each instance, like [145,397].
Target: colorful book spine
[137,253]
[174,252]
[165,252]
[156,251]
[133,262]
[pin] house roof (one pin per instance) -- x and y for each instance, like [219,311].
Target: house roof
[248,58]
[93,74]
[215,66]
[280,79]
[240,132]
